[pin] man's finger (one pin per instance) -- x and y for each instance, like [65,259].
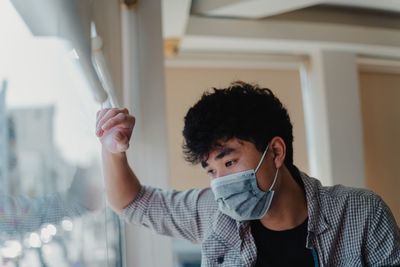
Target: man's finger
[100,114]
[120,119]
[108,115]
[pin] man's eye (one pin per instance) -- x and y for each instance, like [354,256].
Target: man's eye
[229,163]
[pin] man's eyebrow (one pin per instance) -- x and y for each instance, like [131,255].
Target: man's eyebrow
[223,152]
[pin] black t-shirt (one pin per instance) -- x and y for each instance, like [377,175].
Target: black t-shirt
[281,248]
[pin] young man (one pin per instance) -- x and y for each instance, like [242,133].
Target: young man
[260,210]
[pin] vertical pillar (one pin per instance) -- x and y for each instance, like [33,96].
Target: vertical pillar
[143,82]
[333,118]
[4,141]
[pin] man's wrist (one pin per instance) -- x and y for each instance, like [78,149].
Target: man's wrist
[117,156]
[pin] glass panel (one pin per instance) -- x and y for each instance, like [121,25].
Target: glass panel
[51,188]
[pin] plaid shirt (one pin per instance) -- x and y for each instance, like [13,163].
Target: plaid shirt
[346,226]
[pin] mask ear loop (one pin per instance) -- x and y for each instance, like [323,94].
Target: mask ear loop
[259,164]
[262,159]
[276,176]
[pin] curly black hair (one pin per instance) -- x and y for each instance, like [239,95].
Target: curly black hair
[242,110]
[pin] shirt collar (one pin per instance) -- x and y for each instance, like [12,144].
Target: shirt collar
[317,222]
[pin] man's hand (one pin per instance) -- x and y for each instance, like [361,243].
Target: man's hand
[114,128]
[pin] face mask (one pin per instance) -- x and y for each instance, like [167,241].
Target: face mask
[239,197]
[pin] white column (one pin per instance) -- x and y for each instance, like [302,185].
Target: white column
[333,118]
[4,141]
[144,95]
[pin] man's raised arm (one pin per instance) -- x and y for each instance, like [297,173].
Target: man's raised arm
[114,128]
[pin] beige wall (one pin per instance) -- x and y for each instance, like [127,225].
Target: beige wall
[380,98]
[185,86]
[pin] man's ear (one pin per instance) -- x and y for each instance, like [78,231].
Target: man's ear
[279,151]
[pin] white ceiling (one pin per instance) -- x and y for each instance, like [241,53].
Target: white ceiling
[255,9]
[176,13]
[199,27]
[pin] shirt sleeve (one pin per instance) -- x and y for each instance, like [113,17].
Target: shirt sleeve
[181,214]
[383,242]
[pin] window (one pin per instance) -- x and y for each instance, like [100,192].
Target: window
[52,205]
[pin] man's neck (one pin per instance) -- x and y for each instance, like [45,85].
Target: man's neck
[289,207]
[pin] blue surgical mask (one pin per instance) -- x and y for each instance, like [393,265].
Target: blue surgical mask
[239,196]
